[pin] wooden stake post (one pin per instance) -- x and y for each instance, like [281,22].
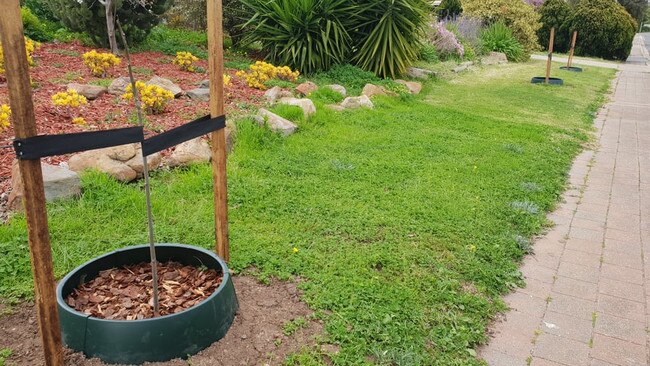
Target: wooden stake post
[550,55]
[215,66]
[24,122]
[573,47]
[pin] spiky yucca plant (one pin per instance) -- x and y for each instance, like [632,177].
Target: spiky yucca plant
[388,36]
[308,35]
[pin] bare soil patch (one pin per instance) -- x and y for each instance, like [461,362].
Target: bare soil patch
[255,338]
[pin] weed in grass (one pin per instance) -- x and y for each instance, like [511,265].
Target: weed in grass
[525,206]
[67,77]
[4,354]
[292,326]
[64,52]
[58,65]
[413,203]
[142,70]
[524,244]
[531,187]
[514,148]
[326,96]
[290,112]
[101,82]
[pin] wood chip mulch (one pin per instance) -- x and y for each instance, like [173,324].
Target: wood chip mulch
[126,293]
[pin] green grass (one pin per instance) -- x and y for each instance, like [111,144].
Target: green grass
[65,52]
[410,219]
[4,354]
[169,41]
[101,82]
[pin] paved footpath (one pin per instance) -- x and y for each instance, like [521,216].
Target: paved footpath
[587,299]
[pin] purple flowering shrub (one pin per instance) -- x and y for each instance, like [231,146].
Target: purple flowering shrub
[446,42]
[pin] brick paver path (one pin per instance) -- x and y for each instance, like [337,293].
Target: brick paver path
[587,299]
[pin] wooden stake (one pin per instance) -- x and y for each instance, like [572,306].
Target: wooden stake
[573,47]
[551,41]
[24,122]
[215,66]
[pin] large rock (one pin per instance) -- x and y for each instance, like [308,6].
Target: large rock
[370,90]
[306,88]
[417,73]
[413,86]
[137,163]
[275,93]
[201,94]
[112,161]
[167,85]
[307,106]
[357,102]
[204,84]
[339,89]
[59,182]
[119,85]
[193,151]
[275,122]
[91,92]
[494,58]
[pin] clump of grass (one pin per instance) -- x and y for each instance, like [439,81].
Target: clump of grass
[525,206]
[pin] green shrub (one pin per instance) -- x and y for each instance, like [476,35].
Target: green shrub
[34,28]
[308,35]
[605,29]
[554,14]
[428,53]
[89,16]
[499,38]
[449,9]
[40,8]
[636,8]
[388,36]
[169,41]
[517,15]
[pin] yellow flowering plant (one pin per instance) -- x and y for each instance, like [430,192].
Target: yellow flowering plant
[226,80]
[185,60]
[260,72]
[30,47]
[153,98]
[99,63]
[68,101]
[5,114]
[79,121]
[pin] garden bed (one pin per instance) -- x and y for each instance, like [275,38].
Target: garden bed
[57,64]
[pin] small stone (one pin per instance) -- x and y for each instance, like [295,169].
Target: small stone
[189,152]
[413,86]
[335,107]
[119,85]
[371,90]
[306,88]
[167,85]
[417,73]
[59,183]
[275,122]
[201,94]
[91,92]
[137,163]
[307,106]
[339,89]
[357,102]
[272,95]
[121,153]
[494,58]
[462,67]
[331,349]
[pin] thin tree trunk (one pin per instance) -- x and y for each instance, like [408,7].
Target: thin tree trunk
[110,25]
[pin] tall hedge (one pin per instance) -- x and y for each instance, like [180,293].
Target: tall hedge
[519,16]
[554,14]
[89,16]
[605,29]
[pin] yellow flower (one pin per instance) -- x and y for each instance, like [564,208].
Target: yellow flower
[5,114]
[79,121]
[99,63]
[185,61]
[295,250]
[153,97]
[261,72]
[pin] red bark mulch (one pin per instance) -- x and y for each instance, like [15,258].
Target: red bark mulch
[126,293]
[56,65]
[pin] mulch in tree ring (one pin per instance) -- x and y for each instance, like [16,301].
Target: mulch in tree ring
[126,293]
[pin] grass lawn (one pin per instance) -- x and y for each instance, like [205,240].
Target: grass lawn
[409,220]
